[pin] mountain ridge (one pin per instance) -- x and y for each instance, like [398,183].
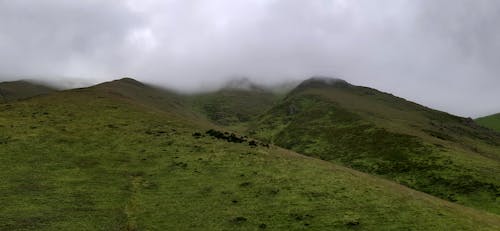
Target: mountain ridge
[88,159]
[22,89]
[379,133]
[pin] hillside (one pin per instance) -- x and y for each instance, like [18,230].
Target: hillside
[143,94]
[234,104]
[15,90]
[492,122]
[444,155]
[98,159]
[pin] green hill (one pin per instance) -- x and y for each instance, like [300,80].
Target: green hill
[444,155]
[234,105]
[100,159]
[16,90]
[146,95]
[492,122]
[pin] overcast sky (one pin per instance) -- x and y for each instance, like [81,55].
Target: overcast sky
[441,53]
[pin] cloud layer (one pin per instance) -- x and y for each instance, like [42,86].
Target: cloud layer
[443,54]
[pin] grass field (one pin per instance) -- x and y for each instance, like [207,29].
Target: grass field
[91,159]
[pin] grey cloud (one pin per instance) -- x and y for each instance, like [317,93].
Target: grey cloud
[59,38]
[442,53]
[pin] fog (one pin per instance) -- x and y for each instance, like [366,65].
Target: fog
[440,53]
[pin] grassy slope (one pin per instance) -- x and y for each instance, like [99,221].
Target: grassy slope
[233,106]
[492,122]
[89,159]
[15,90]
[147,95]
[444,155]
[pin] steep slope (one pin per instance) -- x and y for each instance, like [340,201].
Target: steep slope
[15,90]
[90,159]
[492,122]
[375,132]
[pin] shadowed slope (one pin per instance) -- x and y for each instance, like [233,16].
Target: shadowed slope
[16,90]
[231,106]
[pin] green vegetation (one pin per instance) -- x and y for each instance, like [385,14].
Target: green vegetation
[233,106]
[16,90]
[152,97]
[433,152]
[111,158]
[492,122]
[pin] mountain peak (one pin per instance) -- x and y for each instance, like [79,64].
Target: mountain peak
[323,82]
[243,83]
[130,81]
[121,82]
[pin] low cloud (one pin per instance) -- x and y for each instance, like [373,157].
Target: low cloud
[439,53]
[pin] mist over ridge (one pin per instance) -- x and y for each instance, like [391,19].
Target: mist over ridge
[442,54]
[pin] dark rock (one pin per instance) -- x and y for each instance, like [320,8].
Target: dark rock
[238,220]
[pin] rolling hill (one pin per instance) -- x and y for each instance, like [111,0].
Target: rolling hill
[492,122]
[431,151]
[22,89]
[107,158]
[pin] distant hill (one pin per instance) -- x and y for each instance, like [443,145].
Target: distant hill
[16,90]
[492,121]
[238,102]
[378,133]
[123,156]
